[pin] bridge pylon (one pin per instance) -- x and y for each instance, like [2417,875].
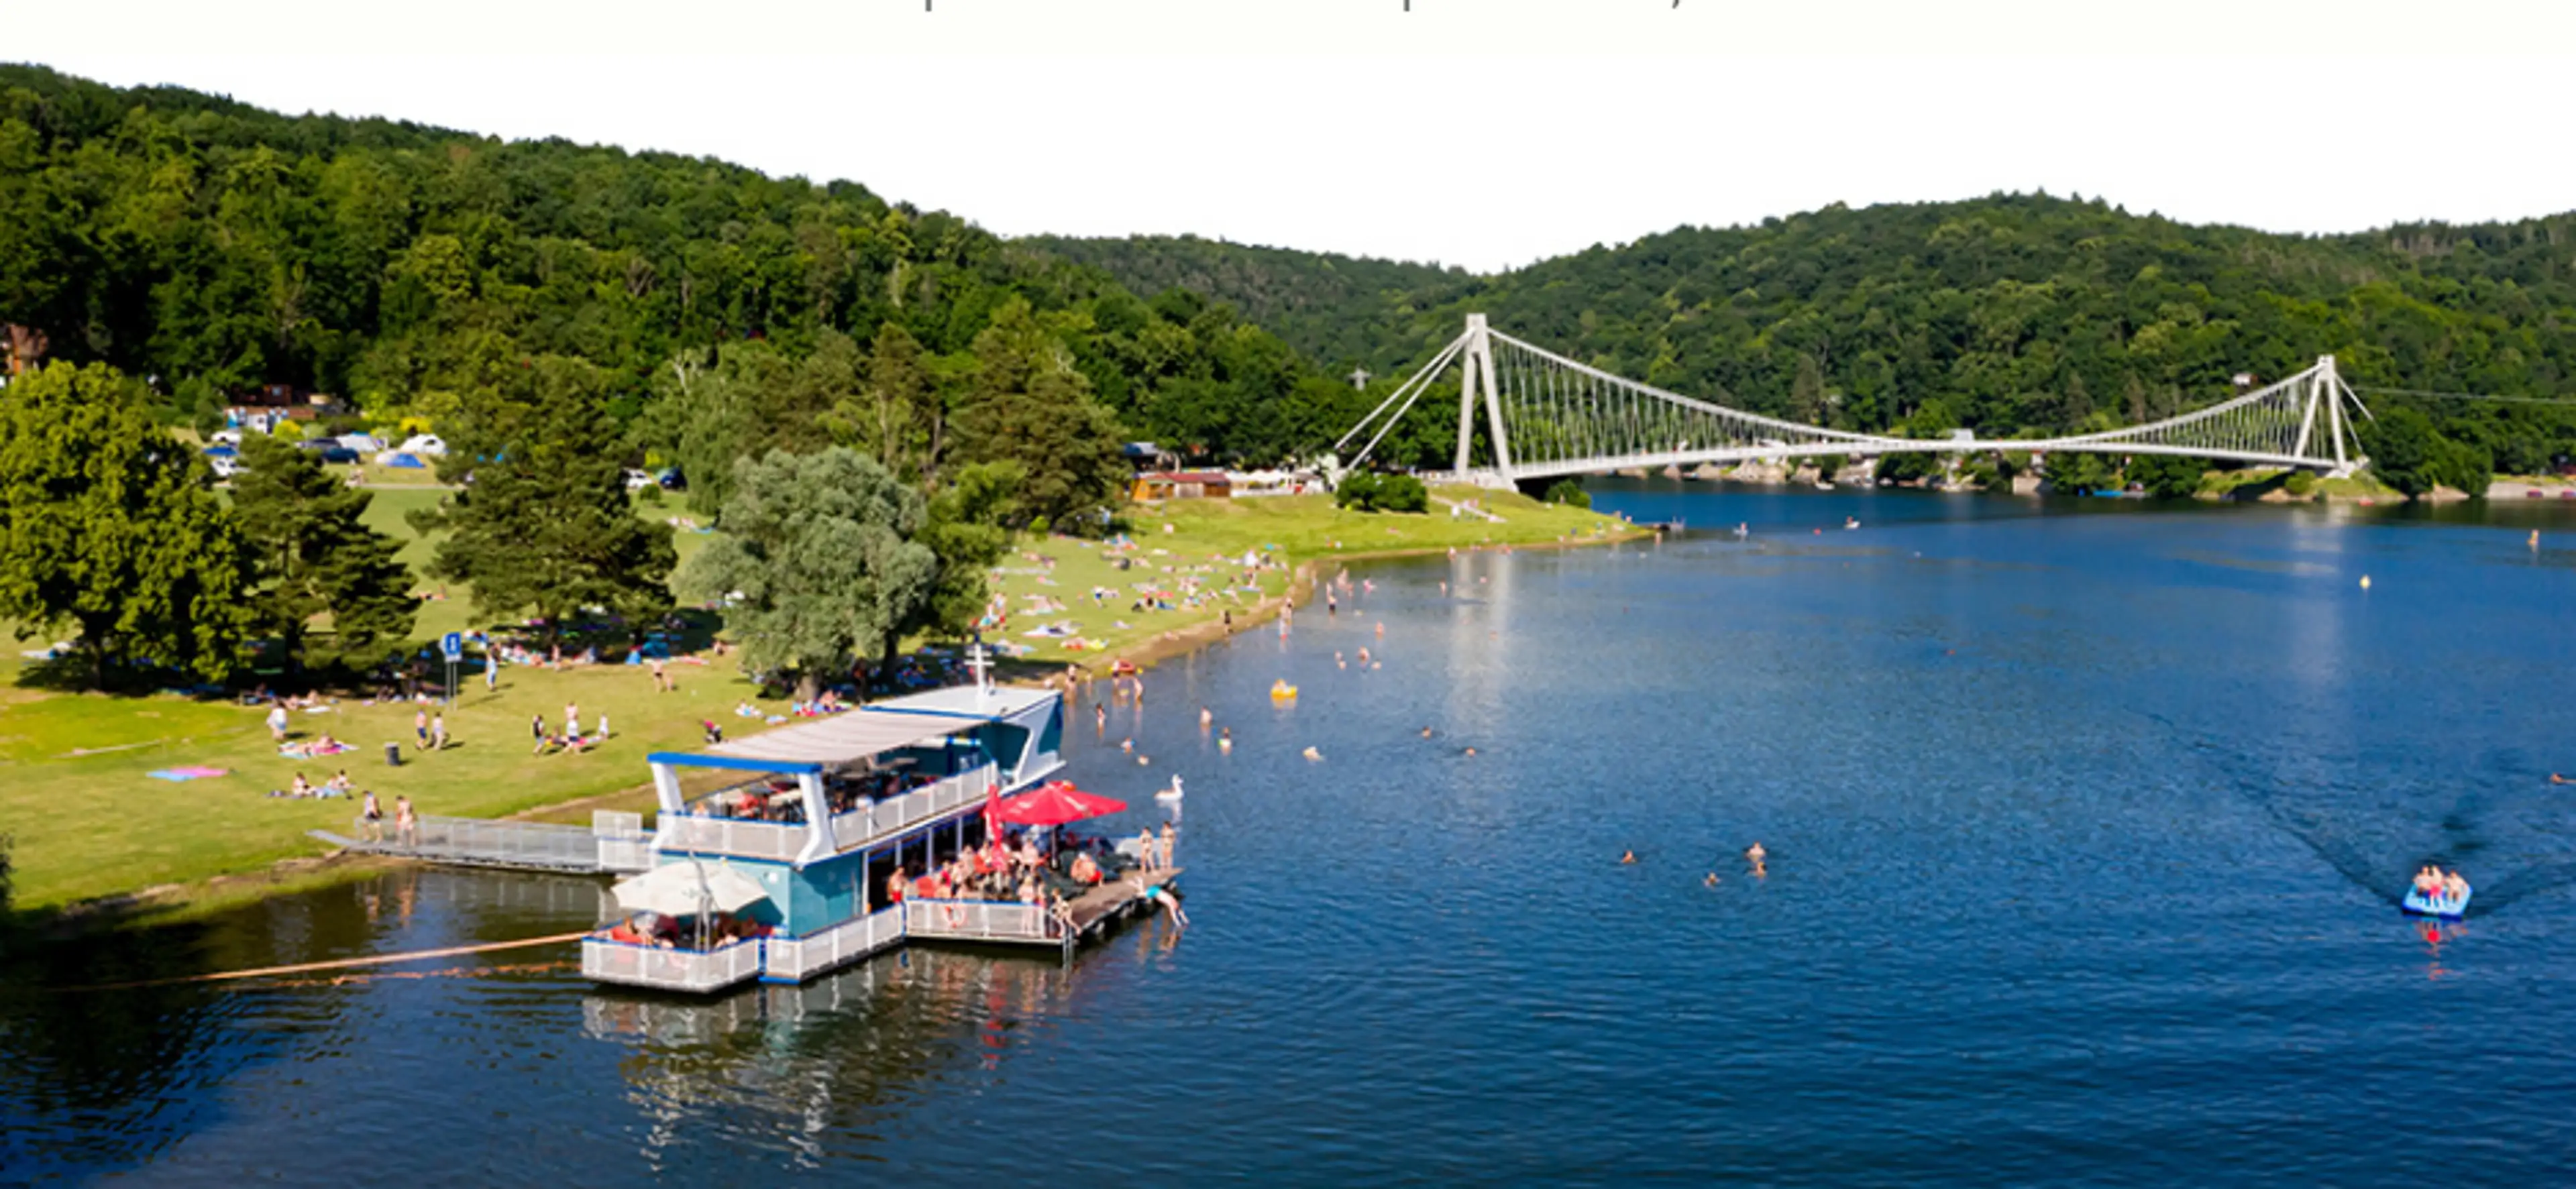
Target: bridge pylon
[1476,380]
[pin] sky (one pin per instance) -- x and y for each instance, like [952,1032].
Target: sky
[1483,133]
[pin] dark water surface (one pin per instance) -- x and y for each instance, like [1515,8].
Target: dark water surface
[2086,825]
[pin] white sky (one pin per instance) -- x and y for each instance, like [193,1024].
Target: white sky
[1480,132]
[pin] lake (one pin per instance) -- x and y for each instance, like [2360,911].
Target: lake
[2086,824]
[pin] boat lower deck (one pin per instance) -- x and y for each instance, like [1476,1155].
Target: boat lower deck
[798,959]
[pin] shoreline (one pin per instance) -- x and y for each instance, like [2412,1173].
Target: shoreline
[177,903]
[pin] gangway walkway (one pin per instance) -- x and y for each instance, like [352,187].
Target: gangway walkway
[614,842]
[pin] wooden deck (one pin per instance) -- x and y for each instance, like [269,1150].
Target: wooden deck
[1103,905]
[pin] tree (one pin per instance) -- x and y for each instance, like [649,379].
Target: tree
[2402,445]
[1570,493]
[542,525]
[2078,472]
[814,562]
[967,527]
[107,522]
[2167,476]
[1031,409]
[899,416]
[316,556]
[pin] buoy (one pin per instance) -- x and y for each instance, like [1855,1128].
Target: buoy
[1313,754]
[2365,582]
[1281,691]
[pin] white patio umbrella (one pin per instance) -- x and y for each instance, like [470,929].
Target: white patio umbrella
[688,888]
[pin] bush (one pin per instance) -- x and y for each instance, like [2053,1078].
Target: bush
[1368,491]
[1356,490]
[1908,466]
[1402,493]
[1038,525]
[2300,483]
[651,494]
[1569,493]
[1829,466]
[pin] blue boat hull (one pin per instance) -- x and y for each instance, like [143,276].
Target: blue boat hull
[2419,904]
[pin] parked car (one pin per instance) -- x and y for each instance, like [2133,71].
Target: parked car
[637,480]
[226,468]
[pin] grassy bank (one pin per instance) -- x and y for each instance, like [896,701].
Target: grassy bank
[91,824]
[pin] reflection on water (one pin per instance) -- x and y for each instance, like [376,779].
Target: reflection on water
[2085,823]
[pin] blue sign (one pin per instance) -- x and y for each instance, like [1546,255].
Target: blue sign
[453,644]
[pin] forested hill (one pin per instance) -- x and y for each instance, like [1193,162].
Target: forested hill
[214,248]
[2007,313]
[1321,302]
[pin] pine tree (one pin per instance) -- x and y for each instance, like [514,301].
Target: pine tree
[316,556]
[106,521]
[542,526]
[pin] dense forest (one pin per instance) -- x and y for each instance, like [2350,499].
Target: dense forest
[2008,314]
[213,248]
[1328,306]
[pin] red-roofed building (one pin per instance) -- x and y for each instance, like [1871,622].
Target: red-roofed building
[1184,485]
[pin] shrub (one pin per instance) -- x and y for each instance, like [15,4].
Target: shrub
[1038,525]
[2300,483]
[1569,493]
[1357,490]
[1402,493]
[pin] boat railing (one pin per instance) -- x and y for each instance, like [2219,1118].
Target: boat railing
[980,920]
[867,823]
[697,833]
[803,957]
[695,971]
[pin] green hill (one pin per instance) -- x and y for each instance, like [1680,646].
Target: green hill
[1318,301]
[2008,313]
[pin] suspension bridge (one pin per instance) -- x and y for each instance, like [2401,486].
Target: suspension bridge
[1546,416]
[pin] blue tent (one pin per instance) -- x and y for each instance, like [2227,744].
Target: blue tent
[407,461]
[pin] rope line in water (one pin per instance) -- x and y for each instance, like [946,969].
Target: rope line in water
[340,963]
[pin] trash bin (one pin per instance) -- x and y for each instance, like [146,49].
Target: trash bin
[393,755]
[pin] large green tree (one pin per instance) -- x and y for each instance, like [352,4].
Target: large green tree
[541,524]
[814,563]
[107,523]
[968,527]
[317,557]
[1030,408]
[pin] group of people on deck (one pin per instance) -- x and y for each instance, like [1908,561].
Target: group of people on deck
[2435,885]
[1027,873]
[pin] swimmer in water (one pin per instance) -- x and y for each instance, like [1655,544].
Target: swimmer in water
[1313,754]
[1627,858]
[1381,629]
[1225,741]
[1743,530]
[1709,880]
[1471,753]
[2555,778]
[1426,732]
[1755,854]
[1206,717]
[1099,716]
[1127,744]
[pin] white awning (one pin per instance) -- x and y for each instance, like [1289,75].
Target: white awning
[839,739]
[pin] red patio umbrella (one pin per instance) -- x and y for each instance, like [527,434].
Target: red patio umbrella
[1055,803]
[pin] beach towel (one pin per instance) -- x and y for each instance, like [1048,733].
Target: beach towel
[191,772]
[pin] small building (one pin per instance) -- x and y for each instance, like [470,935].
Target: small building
[1184,485]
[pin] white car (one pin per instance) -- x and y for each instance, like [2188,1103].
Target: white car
[427,444]
[638,480]
[226,468]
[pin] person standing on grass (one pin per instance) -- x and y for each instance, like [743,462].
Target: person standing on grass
[537,730]
[491,671]
[438,732]
[603,724]
[406,823]
[572,720]
[277,722]
[661,679]
[373,815]
[420,727]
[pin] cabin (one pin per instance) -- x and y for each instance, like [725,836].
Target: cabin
[1184,485]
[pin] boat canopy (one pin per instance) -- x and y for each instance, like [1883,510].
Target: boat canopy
[843,738]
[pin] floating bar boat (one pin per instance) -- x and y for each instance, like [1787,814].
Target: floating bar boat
[826,812]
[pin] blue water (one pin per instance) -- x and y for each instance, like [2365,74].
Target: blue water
[2086,827]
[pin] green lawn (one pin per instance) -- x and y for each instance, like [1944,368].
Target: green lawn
[89,822]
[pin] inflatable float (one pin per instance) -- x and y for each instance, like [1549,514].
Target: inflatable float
[1281,691]
[2449,908]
